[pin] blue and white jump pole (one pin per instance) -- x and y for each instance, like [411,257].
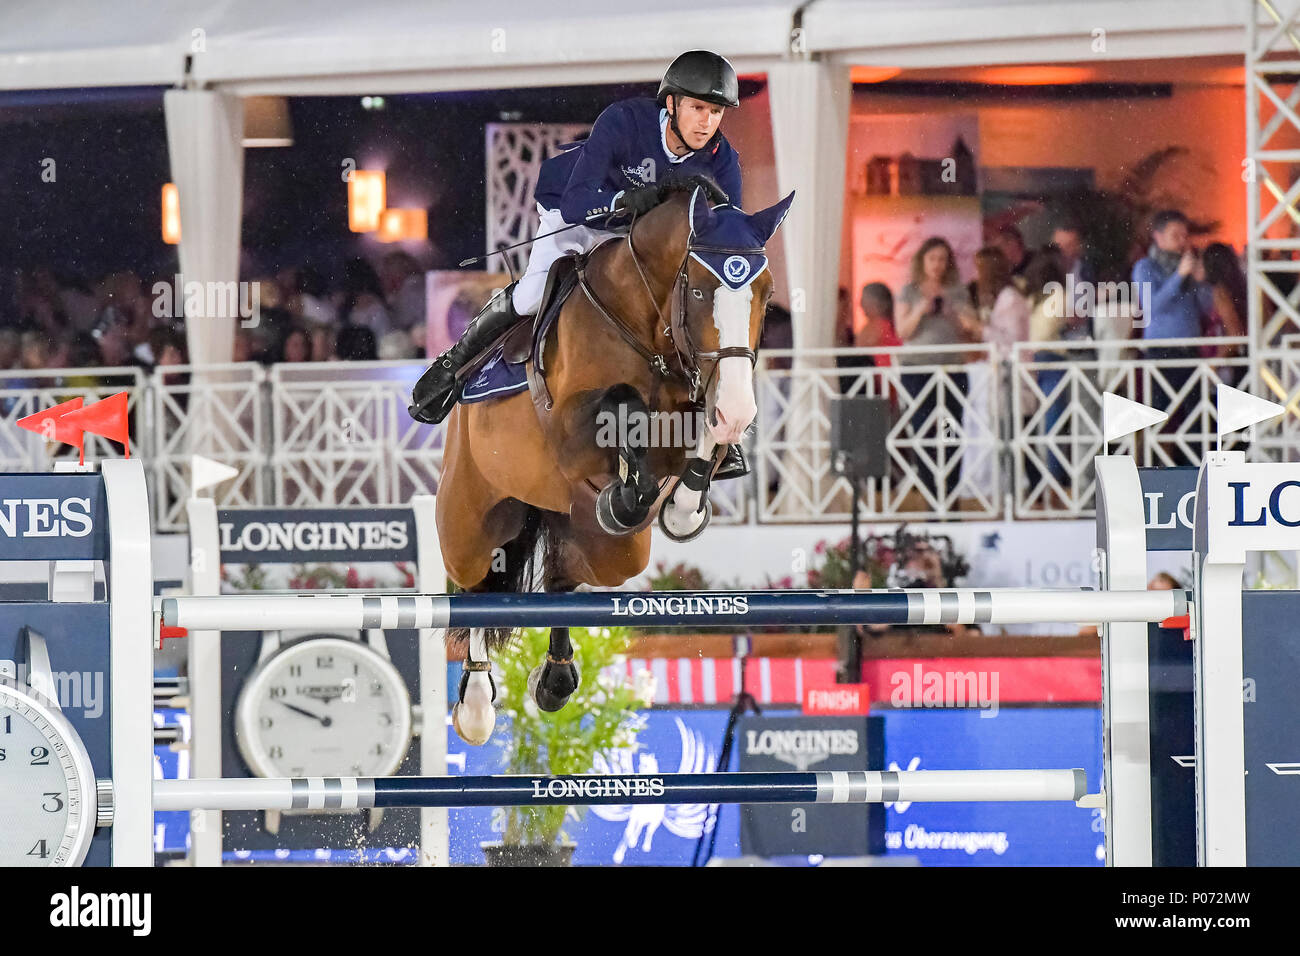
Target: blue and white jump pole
[839,786]
[672,609]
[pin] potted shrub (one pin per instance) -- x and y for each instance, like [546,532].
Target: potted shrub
[602,715]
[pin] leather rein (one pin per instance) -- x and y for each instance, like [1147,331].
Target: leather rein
[687,353]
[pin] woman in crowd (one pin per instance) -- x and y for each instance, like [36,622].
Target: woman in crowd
[992,276]
[935,309]
[296,345]
[1221,271]
[1004,320]
[1049,322]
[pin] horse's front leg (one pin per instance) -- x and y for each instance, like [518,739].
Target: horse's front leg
[686,511]
[624,425]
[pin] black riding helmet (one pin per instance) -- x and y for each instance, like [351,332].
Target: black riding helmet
[703,75]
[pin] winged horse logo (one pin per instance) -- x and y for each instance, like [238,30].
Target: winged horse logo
[686,820]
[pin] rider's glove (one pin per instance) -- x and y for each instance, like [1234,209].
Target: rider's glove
[638,201]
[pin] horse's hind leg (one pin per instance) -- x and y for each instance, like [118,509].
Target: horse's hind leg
[625,502]
[553,682]
[473,714]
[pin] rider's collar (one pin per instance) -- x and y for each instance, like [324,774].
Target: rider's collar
[663,139]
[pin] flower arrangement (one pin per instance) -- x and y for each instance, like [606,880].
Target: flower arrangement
[832,564]
[313,577]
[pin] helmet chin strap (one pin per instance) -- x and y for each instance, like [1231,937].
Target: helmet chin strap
[672,121]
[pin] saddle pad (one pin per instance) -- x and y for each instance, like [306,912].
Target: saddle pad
[500,379]
[496,379]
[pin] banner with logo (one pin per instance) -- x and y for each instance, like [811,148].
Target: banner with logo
[48,517]
[317,535]
[811,743]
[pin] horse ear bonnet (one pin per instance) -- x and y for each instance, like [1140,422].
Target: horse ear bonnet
[769,220]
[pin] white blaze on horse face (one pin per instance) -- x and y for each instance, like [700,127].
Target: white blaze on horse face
[733,404]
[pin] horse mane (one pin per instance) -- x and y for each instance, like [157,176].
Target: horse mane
[688,184]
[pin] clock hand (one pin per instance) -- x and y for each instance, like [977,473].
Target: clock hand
[324,721]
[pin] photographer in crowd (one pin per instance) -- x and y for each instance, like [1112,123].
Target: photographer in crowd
[1173,303]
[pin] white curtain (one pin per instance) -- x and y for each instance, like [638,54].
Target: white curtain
[205,139]
[810,129]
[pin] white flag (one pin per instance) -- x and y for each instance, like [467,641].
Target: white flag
[1238,409]
[1122,416]
[204,473]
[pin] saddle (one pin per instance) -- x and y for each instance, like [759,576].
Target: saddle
[560,281]
[516,346]
[504,368]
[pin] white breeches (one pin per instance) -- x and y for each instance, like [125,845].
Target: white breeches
[528,293]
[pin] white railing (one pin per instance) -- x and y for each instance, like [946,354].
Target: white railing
[341,435]
[972,435]
[942,445]
[1055,426]
[220,412]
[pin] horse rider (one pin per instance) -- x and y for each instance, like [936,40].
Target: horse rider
[592,186]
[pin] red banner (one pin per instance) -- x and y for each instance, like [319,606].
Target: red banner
[833,699]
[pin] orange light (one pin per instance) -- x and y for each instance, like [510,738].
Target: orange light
[171,214]
[367,194]
[1035,75]
[396,225]
[873,74]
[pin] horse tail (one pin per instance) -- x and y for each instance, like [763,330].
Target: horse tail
[527,563]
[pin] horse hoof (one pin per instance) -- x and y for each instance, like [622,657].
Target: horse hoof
[609,512]
[689,535]
[472,724]
[473,716]
[544,698]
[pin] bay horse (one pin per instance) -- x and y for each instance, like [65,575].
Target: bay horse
[560,483]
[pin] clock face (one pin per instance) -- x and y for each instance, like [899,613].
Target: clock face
[47,786]
[324,707]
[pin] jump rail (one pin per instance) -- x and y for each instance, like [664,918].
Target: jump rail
[842,786]
[671,609]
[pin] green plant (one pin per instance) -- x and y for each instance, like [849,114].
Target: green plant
[251,577]
[601,716]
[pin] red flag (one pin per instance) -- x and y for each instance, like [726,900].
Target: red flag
[52,426]
[106,418]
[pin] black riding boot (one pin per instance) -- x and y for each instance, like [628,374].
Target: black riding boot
[437,390]
[733,464]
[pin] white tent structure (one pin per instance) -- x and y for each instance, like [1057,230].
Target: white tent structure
[214,52]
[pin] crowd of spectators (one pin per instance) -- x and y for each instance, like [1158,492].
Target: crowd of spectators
[65,323]
[1049,295]
[1019,295]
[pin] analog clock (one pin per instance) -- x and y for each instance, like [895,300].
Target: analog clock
[48,799]
[324,706]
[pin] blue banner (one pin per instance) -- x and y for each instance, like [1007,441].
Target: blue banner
[48,517]
[688,741]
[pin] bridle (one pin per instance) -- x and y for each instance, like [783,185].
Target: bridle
[687,353]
